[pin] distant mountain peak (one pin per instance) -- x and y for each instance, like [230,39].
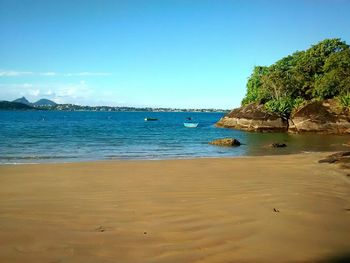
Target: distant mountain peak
[44,102]
[23,100]
[41,102]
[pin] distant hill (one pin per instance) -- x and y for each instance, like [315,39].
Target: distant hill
[7,105]
[23,100]
[44,102]
[39,103]
[49,105]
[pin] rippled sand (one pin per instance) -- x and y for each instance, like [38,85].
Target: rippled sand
[258,209]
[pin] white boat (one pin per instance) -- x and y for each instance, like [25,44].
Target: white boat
[191,124]
[151,119]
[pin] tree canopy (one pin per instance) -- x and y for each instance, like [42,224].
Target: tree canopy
[320,72]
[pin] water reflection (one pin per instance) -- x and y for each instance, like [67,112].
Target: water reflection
[258,143]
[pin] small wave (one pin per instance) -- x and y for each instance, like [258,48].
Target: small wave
[36,157]
[17,163]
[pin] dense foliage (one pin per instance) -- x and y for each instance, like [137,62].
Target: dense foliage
[321,72]
[6,105]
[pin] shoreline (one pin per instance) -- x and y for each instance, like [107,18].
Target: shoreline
[171,159]
[281,208]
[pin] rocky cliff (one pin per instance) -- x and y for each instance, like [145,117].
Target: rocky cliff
[321,117]
[253,117]
[326,117]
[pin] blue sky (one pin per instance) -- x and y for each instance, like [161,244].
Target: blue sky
[187,54]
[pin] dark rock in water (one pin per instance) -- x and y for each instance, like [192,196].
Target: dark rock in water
[340,157]
[226,142]
[326,117]
[278,145]
[253,117]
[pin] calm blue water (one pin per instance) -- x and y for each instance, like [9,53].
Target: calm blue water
[34,137]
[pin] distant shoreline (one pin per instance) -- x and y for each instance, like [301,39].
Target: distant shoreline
[44,110]
[48,105]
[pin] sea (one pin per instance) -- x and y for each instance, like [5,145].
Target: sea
[58,136]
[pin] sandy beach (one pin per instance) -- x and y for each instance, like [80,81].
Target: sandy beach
[253,209]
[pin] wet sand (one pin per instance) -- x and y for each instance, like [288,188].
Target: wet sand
[256,209]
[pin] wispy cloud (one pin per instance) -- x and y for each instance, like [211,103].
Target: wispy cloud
[76,92]
[48,73]
[87,74]
[61,93]
[13,73]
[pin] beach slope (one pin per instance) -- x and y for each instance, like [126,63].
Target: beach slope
[255,209]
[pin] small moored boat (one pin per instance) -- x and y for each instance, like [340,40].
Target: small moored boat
[190,124]
[151,119]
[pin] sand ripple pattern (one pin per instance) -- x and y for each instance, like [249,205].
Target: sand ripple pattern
[204,210]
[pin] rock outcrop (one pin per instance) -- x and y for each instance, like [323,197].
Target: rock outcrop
[340,157]
[253,117]
[226,142]
[326,117]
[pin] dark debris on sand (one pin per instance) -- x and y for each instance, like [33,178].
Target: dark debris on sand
[100,229]
[278,145]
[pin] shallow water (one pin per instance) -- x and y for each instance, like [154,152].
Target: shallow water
[35,137]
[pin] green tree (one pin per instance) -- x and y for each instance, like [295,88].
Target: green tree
[336,78]
[311,64]
[255,92]
[320,72]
